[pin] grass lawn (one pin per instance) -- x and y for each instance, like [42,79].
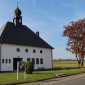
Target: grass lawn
[67,72]
[9,78]
[65,63]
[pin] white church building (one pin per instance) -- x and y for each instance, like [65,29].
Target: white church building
[19,43]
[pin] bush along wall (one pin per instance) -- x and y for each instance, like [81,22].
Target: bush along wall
[29,67]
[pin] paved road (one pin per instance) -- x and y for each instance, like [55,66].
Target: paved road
[78,79]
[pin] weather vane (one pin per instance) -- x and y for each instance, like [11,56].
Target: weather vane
[17,3]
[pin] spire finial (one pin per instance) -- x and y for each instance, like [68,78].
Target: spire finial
[17,3]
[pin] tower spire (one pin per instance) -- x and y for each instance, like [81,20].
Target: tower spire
[17,19]
[17,3]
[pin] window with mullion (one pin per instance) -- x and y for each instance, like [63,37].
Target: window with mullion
[37,60]
[2,60]
[41,60]
[33,60]
[28,59]
[6,60]
[9,60]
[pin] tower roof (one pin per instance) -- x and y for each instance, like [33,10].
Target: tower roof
[17,12]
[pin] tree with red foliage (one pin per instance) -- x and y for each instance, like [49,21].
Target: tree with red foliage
[75,31]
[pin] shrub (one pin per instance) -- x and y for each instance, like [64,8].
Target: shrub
[29,67]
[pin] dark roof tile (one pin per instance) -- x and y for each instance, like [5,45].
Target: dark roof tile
[22,35]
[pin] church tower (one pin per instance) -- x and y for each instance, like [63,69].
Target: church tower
[17,19]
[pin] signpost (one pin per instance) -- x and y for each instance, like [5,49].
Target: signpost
[21,67]
[17,70]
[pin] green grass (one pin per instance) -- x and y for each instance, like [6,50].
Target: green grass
[66,64]
[9,78]
[67,72]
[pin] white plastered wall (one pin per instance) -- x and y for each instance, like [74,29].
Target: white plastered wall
[8,51]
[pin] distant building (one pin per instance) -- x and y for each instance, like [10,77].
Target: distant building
[19,43]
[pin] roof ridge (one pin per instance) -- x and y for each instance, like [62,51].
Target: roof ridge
[46,42]
[22,35]
[39,37]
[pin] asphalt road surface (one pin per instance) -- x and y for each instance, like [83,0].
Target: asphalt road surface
[78,79]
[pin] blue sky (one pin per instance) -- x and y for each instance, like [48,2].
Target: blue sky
[48,17]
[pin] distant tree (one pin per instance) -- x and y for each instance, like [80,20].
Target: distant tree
[75,31]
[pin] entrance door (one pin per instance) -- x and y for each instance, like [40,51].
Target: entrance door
[15,62]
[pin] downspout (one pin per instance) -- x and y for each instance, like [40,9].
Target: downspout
[0,56]
[52,57]
[0,51]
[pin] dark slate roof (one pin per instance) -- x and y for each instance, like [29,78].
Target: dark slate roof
[22,35]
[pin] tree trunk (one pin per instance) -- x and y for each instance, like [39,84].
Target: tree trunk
[82,60]
[79,60]
[79,63]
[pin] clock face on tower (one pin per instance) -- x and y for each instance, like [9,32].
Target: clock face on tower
[20,20]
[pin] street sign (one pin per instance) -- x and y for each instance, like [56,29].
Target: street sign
[21,67]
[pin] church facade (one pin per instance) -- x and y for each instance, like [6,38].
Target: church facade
[19,43]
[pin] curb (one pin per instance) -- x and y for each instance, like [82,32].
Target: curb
[29,81]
